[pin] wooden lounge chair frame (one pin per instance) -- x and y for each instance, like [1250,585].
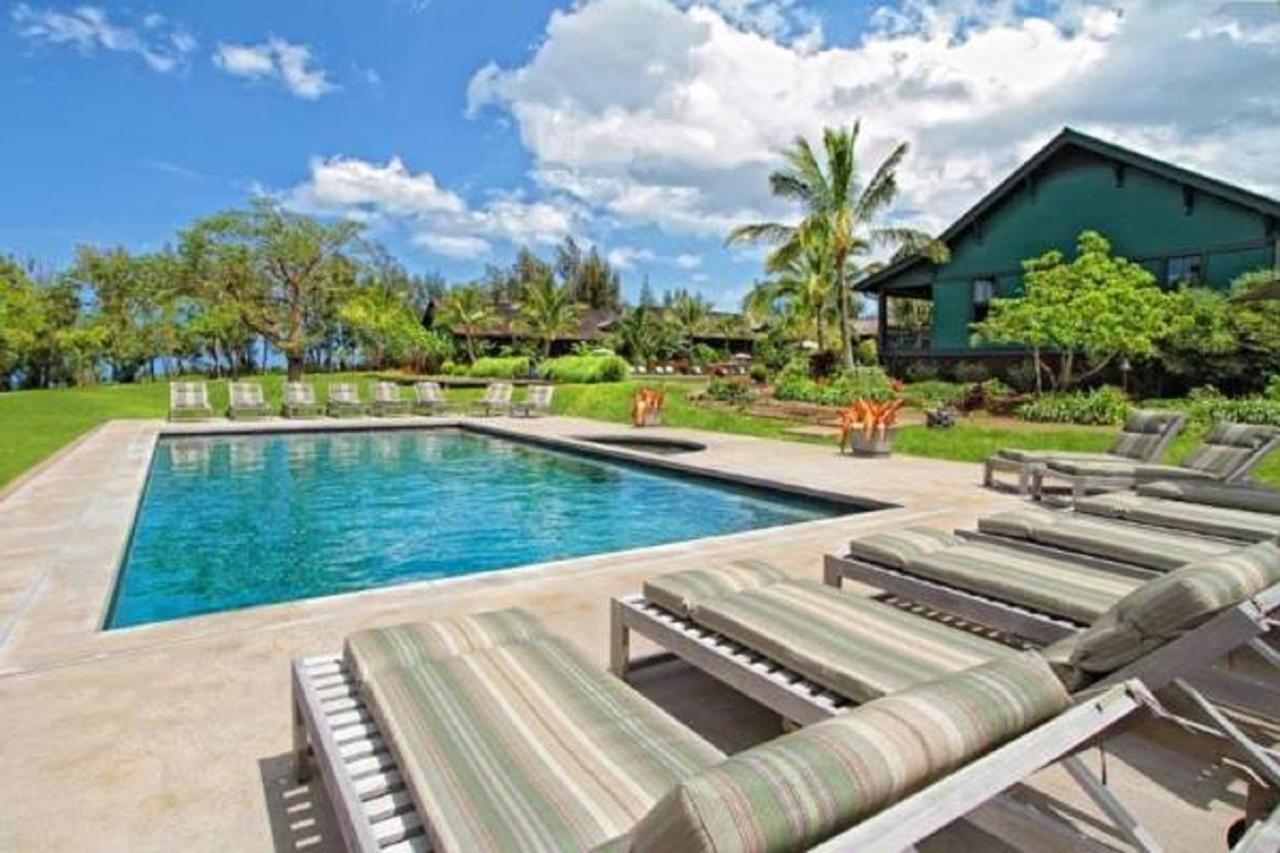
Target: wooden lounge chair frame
[537,401]
[258,409]
[387,407]
[1026,470]
[204,411]
[432,405]
[307,408]
[340,408]
[1083,484]
[335,733]
[497,398]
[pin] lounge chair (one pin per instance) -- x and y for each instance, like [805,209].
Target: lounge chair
[1144,438]
[486,733]
[537,401]
[1229,453]
[189,401]
[1226,510]
[387,400]
[246,401]
[344,400]
[428,399]
[300,401]
[496,399]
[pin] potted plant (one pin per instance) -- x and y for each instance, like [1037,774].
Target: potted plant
[867,423]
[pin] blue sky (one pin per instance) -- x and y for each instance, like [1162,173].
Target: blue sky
[458,130]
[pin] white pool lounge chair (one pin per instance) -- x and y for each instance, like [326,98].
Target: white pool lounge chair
[300,401]
[612,772]
[344,400]
[536,402]
[246,401]
[428,398]
[189,401]
[496,399]
[387,400]
[1144,438]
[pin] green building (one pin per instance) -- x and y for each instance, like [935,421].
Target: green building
[1183,226]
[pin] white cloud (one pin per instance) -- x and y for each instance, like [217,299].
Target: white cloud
[626,257]
[164,47]
[688,262]
[391,196]
[657,113]
[275,59]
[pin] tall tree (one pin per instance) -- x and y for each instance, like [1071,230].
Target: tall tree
[549,311]
[800,296]
[467,311]
[689,314]
[841,212]
[280,269]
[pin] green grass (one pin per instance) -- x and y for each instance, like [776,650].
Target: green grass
[34,424]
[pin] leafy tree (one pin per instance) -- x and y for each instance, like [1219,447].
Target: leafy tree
[388,329]
[132,297]
[1097,306]
[548,311]
[282,271]
[595,282]
[689,315]
[467,310]
[800,296]
[636,334]
[840,215]
[1200,342]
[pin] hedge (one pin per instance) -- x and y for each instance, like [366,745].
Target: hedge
[584,368]
[515,367]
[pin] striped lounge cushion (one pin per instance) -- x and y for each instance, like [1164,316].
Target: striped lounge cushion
[1158,550]
[1142,434]
[859,648]
[798,790]
[529,747]
[896,548]
[1227,447]
[370,651]
[681,592]
[1184,515]
[1167,607]
[1018,454]
[1245,496]
[1057,587]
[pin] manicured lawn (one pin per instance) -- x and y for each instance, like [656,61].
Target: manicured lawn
[34,424]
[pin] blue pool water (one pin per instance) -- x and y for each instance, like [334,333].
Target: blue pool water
[234,521]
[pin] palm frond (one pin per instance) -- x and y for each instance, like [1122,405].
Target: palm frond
[761,232]
[882,188]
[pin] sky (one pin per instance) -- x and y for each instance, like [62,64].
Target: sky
[457,130]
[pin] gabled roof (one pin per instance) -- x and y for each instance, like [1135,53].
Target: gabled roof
[1070,138]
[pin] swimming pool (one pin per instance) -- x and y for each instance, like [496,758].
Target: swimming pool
[233,521]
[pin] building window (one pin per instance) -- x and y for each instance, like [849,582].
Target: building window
[1186,269]
[984,290]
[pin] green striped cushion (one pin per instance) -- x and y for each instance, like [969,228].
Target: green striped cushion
[681,592]
[1227,447]
[1243,496]
[854,646]
[1167,607]
[1094,468]
[1184,515]
[529,747]
[1142,434]
[798,790]
[1057,587]
[1018,454]
[1159,550]
[375,649]
[896,548]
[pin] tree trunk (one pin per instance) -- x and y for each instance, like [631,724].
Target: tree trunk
[1035,361]
[295,361]
[846,338]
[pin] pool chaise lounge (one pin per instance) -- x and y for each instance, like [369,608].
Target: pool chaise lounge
[300,401]
[496,399]
[1226,510]
[189,401]
[485,733]
[1229,453]
[344,400]
[1144,438]
[428,399]
[246,401]
[536,402]
[387,401]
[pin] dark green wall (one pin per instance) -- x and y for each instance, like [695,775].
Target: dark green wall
[1145,219]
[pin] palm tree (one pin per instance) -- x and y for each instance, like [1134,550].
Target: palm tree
[636,334]
[549,311]
[799,296]
[688,316]
[839,214]
[467,310]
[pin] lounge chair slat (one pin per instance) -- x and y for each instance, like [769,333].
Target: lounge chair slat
[346,703]
[363,746]
[397,828]
[379,762]
[346,718]
[337,691]
[388,805]
[377,784]
[355,731]
[416,844]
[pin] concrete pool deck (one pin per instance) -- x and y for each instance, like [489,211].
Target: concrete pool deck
[176,735]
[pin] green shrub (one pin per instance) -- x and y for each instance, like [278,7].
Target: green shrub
[869,383]
[452,368]
[934,392]
[868,352]
[1273,388]
[510,367]
[920,371]
[584,368]
[730,391]
[1245,410]
[759,374]
[971,371]
[1022,375]
[1105,405]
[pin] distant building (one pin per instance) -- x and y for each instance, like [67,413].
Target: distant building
[1182,226]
